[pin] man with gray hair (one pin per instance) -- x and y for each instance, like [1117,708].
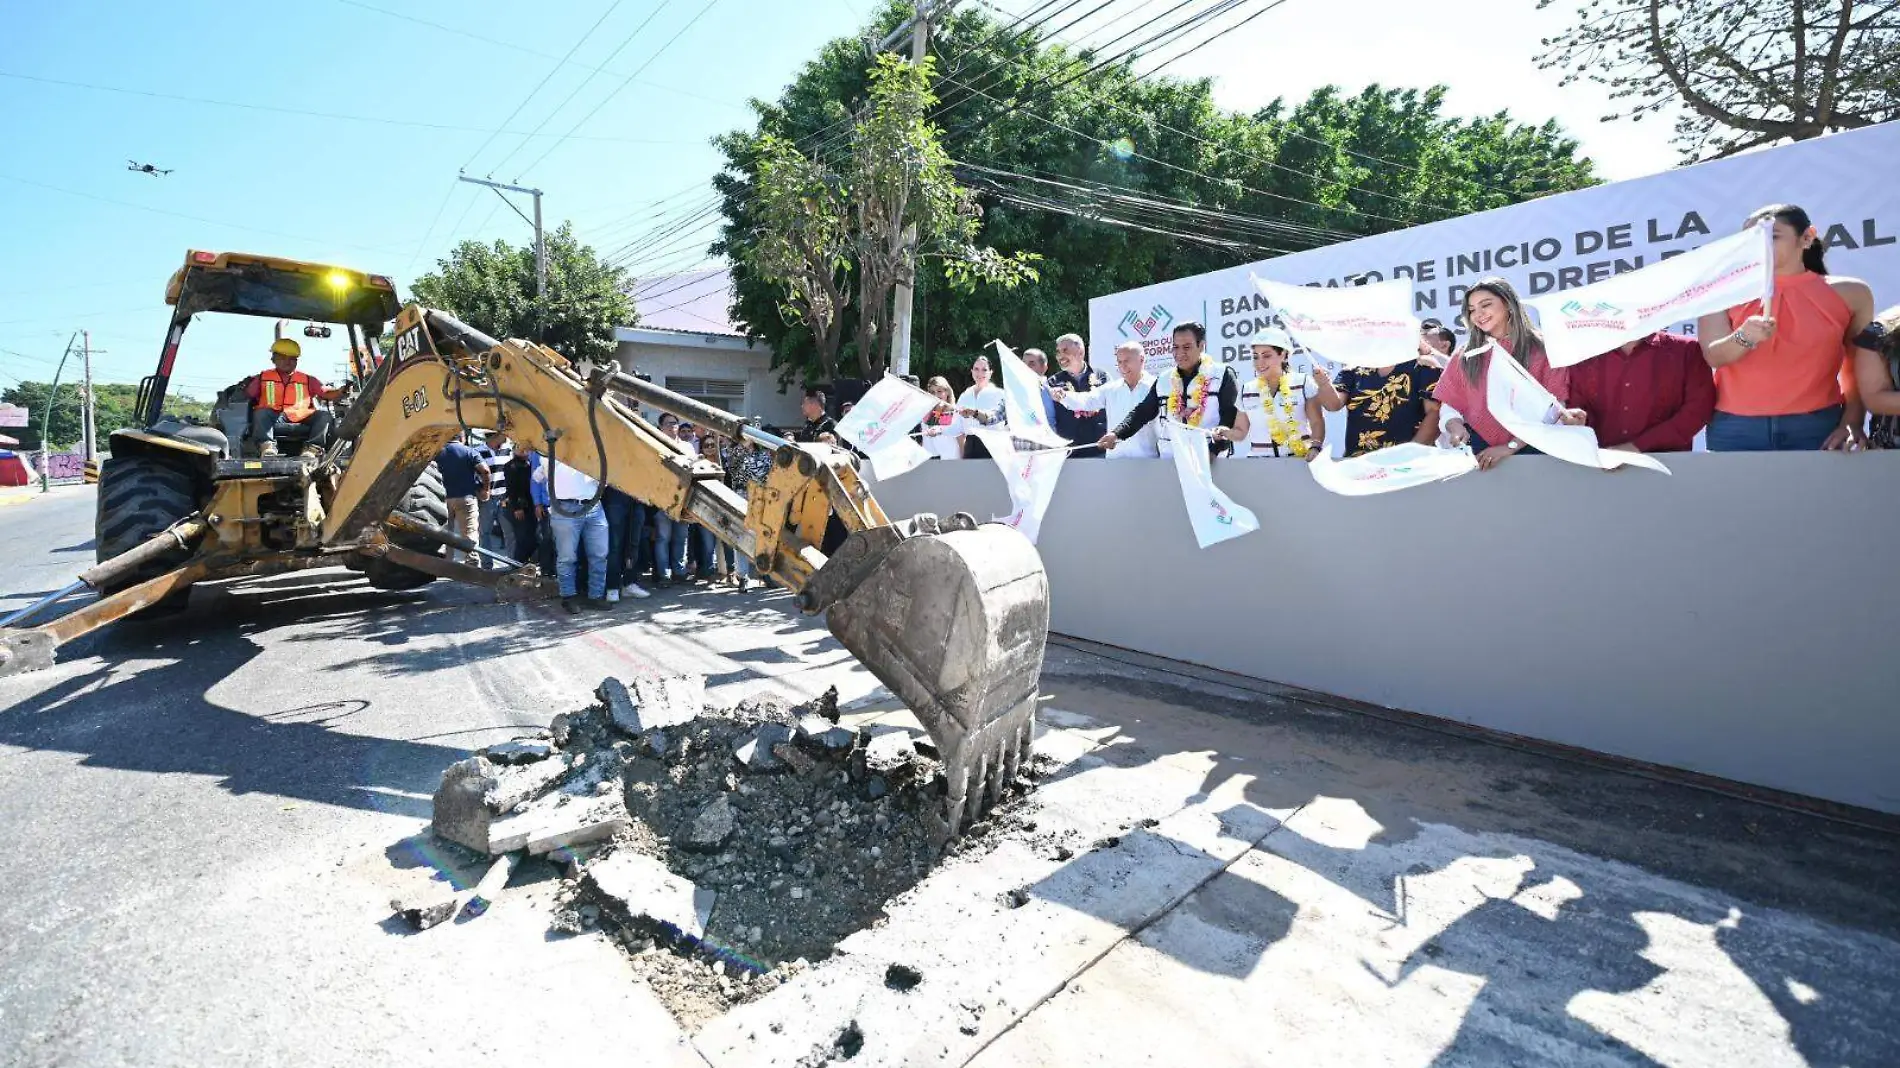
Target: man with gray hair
[1113,400]
[1083,428]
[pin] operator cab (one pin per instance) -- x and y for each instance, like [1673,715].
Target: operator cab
[325,299]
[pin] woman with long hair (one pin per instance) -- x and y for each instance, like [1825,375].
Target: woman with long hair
[1496,319]
[1877,368]
[943,427]
[1784,376]
[980,405]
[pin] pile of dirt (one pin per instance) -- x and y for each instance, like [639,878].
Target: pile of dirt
[769,833]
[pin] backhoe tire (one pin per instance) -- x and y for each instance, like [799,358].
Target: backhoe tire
[140,496]
[426,502]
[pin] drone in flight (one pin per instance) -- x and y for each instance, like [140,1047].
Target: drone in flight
[146,168]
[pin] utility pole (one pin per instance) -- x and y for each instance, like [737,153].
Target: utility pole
[540,244]
[89,433]
[901,317]
[46,420]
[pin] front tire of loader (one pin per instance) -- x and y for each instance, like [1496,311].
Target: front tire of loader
[140,496]
[426,502]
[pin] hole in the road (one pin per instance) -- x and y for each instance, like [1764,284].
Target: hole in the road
[750,841]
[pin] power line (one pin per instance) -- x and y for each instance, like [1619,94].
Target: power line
[1199,174]
[516,47]
[585,82]
[274,109]
[710,4]
[558,64]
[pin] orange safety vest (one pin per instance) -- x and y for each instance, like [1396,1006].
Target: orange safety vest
[291,396]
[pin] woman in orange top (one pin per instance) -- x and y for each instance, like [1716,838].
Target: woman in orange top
[1784,377]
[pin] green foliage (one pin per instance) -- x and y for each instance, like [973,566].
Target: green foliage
[1741,74]
[1333,167]
[802,243]
[113,411]
[491,287]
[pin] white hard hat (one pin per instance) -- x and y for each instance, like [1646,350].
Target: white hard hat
[1274,336]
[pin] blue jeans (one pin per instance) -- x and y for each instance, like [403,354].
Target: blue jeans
[669,545]
[497,533]
[639,543]
[619,509]
[708,549]
[1773,433]
[570,533]
[736,562]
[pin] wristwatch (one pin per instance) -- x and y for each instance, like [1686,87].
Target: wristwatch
[1514,445]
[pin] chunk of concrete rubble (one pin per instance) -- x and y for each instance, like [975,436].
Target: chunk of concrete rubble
[756,751]
[519,751]
[426,908]
[641,890]
[889,749]
[825,705]
[825,734]
[654,701]
[477,793]
[712,827]
[585,825]
[793,757]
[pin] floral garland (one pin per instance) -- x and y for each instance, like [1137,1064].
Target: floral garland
[1189,404]
[1283,423]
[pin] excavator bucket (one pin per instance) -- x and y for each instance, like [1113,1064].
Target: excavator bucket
[955,624]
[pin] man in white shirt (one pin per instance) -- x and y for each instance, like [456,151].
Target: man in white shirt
[577,521]
[1118,397]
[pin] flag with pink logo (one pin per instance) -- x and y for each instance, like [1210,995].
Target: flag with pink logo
[1031,476]
[881,422]
[1214,514]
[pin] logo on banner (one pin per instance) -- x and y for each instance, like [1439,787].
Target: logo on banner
[1158,318]
[1575,310]
[1220,514]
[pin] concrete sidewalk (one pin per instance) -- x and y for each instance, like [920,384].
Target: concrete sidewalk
[1222,876]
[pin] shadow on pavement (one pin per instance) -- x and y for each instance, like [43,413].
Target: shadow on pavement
[1410,805]
[158,718]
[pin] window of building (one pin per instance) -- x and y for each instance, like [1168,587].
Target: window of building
[726,394]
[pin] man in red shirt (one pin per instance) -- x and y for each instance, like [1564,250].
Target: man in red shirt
[1652,395]
[285,396]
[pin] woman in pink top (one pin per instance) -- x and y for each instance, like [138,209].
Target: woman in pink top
[1495,315]
[1784,377]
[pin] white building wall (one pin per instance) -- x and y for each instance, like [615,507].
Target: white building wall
[662,355]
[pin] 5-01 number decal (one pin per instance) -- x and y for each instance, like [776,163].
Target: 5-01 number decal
[414,403]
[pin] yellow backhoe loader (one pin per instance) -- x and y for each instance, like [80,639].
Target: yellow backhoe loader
[952,616]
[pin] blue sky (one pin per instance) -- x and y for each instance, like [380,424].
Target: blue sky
[90,244]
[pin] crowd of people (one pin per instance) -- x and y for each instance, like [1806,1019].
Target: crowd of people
[601,544]
[1816,371]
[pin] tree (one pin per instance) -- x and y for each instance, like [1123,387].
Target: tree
[905,201]
[802,242]
[112,410]
[491,288]
[1118,181]
[1746,72]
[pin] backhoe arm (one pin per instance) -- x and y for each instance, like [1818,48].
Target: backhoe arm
[951,616]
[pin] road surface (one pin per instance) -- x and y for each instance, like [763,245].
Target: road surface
[202,820]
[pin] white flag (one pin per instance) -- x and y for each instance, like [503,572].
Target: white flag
[1522,405]
[1579,324]
[1214,514]
[1022,401]
[1358,326]
[1395,468]
[1030,475]
[881,422]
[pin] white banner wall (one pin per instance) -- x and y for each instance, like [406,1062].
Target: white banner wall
[1567,241]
